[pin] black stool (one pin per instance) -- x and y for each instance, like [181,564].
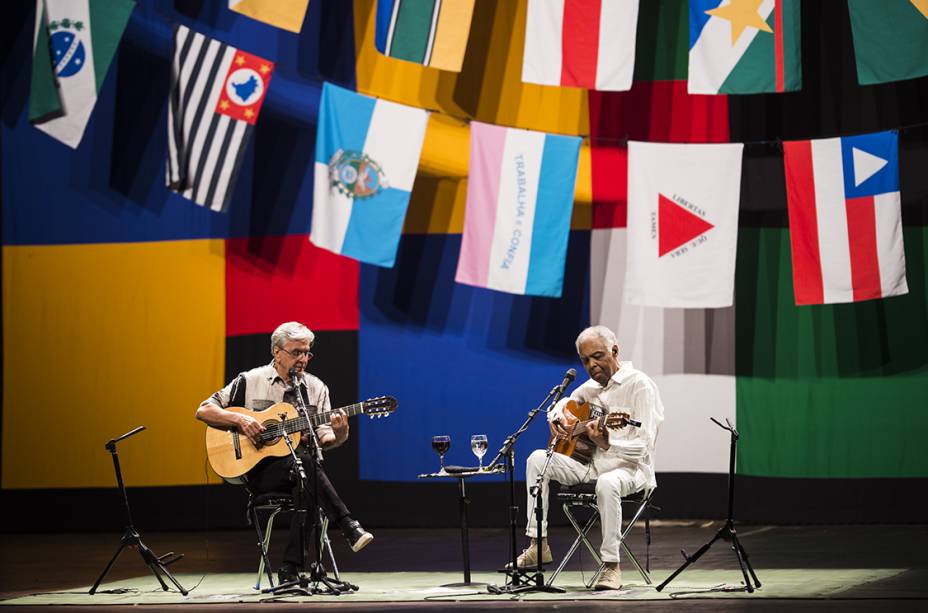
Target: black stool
[273,504]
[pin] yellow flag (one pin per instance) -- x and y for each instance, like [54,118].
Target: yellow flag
[285,14]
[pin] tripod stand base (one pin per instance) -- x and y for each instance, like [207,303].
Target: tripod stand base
[522,581]
[314,582]
[726,532]
[157,564]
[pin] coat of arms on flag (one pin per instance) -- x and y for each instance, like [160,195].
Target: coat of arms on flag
[744,46]
[682,224]
[845,218]
[216,95]
[74,44]
[367,154]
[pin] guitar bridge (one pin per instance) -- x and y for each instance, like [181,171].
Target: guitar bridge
[237,445]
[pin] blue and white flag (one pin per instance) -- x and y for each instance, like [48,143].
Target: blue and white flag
[367,153]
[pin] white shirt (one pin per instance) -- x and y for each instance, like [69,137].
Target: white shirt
[632,391]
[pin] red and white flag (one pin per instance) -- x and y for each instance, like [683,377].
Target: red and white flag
[845,218]
[581,43]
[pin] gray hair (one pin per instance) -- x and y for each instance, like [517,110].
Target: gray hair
[597,332]
[291,331]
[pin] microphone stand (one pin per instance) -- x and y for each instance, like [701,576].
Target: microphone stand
[727,531]
[518,580]
[317,572]
[131,537]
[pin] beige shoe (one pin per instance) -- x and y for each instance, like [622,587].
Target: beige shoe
[611,577]
[529,557]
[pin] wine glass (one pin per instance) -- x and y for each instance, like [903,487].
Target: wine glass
[441,444]
[478,444]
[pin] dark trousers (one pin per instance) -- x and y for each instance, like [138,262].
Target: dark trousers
[277,475]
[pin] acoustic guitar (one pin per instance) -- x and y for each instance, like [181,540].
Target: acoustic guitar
[232,454]
[575,443]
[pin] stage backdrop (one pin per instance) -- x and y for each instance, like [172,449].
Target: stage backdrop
[125,304]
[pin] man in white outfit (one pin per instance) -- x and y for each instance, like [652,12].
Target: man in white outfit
[623,461]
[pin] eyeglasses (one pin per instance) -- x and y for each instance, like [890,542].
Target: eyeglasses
[298,353]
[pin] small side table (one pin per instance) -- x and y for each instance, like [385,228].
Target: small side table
[462,506]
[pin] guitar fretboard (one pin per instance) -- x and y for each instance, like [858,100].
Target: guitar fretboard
[298,424]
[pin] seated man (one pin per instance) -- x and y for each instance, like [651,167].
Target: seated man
[259,389]
[622,462]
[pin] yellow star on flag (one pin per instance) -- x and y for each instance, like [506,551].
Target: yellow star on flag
[239,60]
[741,14]
[265,69]
[249,113]
[224,104]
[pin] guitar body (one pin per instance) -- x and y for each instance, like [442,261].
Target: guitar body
[232,454]
[578,447]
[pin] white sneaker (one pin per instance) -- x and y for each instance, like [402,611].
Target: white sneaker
[611,577]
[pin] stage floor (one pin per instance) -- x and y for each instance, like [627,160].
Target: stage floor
[800,567]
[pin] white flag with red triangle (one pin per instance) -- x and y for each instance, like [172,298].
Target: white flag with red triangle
[682,224]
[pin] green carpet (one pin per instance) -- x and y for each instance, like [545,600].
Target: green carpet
[405,587]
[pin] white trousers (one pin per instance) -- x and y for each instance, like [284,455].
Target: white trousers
[611,485]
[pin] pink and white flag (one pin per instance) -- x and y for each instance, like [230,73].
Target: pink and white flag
[520,195]
[581,43]
[845,218]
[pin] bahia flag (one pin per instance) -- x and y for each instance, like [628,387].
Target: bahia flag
[744,46]
[519,201]
[429,32]
[73,46]
[890,39]
[682,224]
[367,154]
[581,43]
[216,95]
[284,14]
[845,218]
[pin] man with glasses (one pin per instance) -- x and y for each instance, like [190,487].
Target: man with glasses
[259,389]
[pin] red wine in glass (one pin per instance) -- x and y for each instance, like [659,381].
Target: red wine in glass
[441,444]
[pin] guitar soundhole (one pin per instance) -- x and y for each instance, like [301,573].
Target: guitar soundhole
[272,432]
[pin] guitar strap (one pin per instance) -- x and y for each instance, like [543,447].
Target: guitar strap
[237,398]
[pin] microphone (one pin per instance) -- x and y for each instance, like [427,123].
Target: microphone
[292,373]
[569,376]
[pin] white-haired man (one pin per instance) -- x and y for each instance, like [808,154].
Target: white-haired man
[259,389]
[623,460]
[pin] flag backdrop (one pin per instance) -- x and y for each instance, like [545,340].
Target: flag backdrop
[367,153]
[216,95]
[285,14]
[890,39]
[73,46]
[429,32]
[682,224]
[580,43]
[845,218]
[744,46]
[519,198]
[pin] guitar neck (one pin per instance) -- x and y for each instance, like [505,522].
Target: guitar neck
[298,424]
